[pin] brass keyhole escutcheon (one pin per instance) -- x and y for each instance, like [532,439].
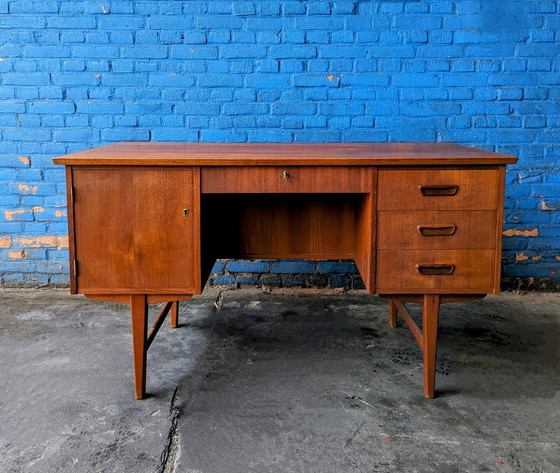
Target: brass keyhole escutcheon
[286,175]
[185,212]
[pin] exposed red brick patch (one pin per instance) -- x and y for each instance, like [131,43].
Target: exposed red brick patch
[43,242]
[524,233]
[5,242]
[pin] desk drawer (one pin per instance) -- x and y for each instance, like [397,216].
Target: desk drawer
[437,230]
[445,271]
[285,179]
[438,189]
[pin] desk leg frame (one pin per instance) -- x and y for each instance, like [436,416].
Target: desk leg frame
[142,337]
[139,319]
[426,337]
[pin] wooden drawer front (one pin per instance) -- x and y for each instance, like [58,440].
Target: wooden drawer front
[286,179]
[445,271]
[438,189]
[445,230]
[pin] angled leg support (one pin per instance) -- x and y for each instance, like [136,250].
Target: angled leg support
[427,337]
[142,338]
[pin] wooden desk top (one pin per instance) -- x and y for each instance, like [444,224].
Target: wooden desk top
[283,154]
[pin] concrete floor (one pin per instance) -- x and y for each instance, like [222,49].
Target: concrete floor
[301,381]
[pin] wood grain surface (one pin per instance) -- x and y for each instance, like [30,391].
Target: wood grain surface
[280,154]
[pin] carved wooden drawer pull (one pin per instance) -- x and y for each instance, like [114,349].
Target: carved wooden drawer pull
[438,191]
[437,230]
[435,269]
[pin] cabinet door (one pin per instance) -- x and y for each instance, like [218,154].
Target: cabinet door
[136,230]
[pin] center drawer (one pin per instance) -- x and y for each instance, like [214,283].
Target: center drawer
[285,179]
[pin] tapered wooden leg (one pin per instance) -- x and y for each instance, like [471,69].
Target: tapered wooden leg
[139,316]
[392,314]
[430,316]
[174,315]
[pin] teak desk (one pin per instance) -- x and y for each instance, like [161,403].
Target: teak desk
[422,221]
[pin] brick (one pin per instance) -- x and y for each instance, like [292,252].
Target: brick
[76,135]
[145,52]
[77,80]
[125,134]
[270,136]
[242,51]
[52,107]
[293,8]
[25,79]
[245,109]
[340,281]
[336,267]
[245,266]
[223,280]
[219,22]
[193,52]
[12,107]
[309,23]
[124,80]
[296,280]
[174,134]
[219,80]
[25,22]
[120,22]
[293,267]
[95,108]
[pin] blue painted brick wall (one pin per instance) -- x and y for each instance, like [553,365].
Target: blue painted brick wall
[78,74]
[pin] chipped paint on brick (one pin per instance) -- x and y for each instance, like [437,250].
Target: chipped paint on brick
[28,189]
[17,254]
[5,242]
[536,258]
[524,233]
[43,242]
[24,159]
[9,214]
[60,213]
[521,257]
[549,207]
